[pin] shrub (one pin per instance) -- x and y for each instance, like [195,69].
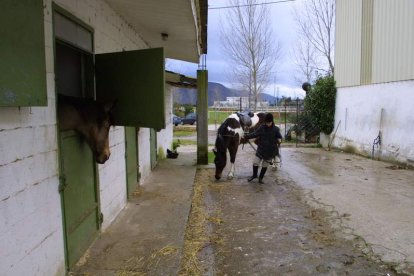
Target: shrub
[320,103]
[306,123]
[188,108]
[175,144]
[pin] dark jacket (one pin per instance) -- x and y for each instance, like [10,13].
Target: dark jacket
[268,145]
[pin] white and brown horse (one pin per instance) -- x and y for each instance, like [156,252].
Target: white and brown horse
[91,119]
[228,138]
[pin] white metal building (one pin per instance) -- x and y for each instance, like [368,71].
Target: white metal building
[235,103]
[54,199]
[374,73]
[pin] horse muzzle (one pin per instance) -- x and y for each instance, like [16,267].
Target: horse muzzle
[101,159]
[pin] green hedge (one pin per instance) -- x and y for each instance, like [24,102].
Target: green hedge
[320,103]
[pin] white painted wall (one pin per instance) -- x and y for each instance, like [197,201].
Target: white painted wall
[165,136]
[144,152]
[359,110]
[112,178]
[31,233]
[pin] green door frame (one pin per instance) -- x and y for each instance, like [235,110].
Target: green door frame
[62,177]
[153,148]
[131,159]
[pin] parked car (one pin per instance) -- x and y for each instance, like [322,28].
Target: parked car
[190,119]
[176,120]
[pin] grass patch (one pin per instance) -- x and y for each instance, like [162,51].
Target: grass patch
[217,117]
[187,142]
[181,133]
[210,157]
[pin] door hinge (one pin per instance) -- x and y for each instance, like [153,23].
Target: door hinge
[62,183]
[101,218]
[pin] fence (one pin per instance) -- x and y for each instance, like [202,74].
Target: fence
[295,126]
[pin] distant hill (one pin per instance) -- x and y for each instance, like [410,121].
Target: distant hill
[216,92]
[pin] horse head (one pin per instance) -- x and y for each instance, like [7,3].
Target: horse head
[220,157]
[89,118]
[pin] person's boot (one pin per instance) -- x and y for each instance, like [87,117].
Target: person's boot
[262,173]
[255,170]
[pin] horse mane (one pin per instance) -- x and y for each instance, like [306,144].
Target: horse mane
[222,127]
[88,109]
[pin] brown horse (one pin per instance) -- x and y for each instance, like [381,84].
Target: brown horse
[91,119]
[229,134]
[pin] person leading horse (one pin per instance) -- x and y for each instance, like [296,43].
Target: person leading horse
[268,146]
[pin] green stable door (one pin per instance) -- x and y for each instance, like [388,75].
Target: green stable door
[79,195]
[78,170]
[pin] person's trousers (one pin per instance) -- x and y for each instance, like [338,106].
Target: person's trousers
[260,162]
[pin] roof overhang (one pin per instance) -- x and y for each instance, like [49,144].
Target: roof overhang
[179,80]
[180,26]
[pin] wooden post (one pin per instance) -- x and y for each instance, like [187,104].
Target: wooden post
[202,117]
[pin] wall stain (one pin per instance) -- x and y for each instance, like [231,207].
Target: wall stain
[6,198]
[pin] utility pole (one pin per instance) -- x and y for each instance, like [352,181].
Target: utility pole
[284,100]
[277,103]
[240,104]
[297,119]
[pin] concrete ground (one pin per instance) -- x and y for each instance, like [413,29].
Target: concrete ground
[147,237]
[321,213]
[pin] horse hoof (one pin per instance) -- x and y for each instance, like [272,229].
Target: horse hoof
[230,177]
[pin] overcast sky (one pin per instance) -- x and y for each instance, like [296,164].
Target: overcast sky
[284,27]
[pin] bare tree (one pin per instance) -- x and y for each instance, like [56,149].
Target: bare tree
[304,57]
[316,21]
[250,45]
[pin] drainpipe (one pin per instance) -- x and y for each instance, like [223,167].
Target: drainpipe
[378,139]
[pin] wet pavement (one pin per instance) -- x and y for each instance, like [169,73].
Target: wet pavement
[373,199]
[321,213]
[291,225]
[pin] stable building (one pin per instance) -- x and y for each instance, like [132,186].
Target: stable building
[54,198]
[374,73]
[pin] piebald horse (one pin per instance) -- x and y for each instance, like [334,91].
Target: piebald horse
[228,138]
[91,119]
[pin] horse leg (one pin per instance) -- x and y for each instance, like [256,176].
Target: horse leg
[233,151]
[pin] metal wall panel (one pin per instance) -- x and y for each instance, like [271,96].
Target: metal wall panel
[348,42]
[393,41]
[366,41]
